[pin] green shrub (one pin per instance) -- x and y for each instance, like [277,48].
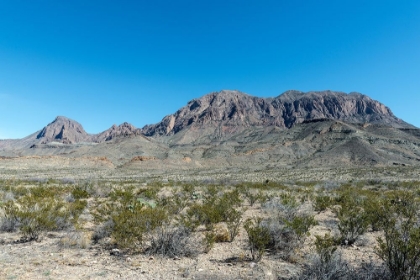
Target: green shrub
[130,223]
[233,222]
[43,191]
[124,196]
[325,247]
[214,210]
[175,203]
[353,222]
[75,209]
[254,196]
[149,193]
[209,240]
[79,193]
[258,238]
[34,215]
[400,246]
[322,202]
[126,219]
[373,209]
[301,225]
[353,219]
[400,249]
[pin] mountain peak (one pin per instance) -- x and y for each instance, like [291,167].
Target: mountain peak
[61,118]
[291,94]
[123,130]
[63,130]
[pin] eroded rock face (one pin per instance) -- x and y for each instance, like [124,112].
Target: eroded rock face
[63,130]
[123,130]
[235,109]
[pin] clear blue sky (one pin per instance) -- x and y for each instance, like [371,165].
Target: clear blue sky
[102,62]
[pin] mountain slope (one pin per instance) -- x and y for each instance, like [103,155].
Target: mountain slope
[227,112]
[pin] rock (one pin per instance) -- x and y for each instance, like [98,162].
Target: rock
[115,252]
[123,130]
[142,158]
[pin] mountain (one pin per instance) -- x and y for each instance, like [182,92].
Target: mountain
[232,111]
[63,130]
[230,129]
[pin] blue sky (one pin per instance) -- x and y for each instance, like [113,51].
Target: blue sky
[104,62]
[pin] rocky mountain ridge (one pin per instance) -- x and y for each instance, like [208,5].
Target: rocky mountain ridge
[232,111]
[235,110]
[65,131]
[233,129]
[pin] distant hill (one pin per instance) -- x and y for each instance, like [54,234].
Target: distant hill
[65,131]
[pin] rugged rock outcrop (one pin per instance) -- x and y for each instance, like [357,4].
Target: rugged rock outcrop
[297,107]
[63,130]
[234,110]
[123,130]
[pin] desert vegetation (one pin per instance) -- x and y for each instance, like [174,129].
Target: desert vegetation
[323,230]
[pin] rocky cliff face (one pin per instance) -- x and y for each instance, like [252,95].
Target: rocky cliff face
[63,130]
[236,110]
[297,107]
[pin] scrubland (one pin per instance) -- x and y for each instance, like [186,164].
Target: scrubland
[165,229]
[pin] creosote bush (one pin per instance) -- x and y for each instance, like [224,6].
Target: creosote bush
[171,241]
[258,238]
[322,202]
[127,220]
[214,210]
[40,209]
[353,219]
[399,248]
[287,226]
[251,194]
[130,224]
[325,248]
